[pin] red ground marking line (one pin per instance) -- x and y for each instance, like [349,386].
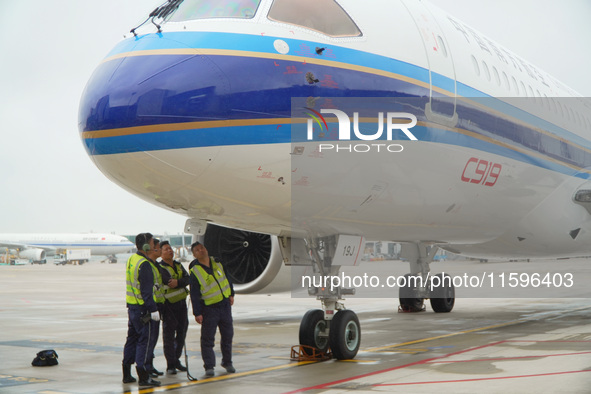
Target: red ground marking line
[506,358]
[480,379]
[326,385]
[516,340]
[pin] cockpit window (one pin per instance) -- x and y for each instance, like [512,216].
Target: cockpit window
[206,9]
[324,16]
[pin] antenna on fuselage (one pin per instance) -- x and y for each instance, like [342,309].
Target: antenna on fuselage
[161,12]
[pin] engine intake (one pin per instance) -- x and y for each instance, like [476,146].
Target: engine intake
[251,260]
[34,254]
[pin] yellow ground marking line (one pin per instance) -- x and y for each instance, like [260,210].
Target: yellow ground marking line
[51,392]
[360,361]
[407,351]
[509,323]
[375,349]
[217,378]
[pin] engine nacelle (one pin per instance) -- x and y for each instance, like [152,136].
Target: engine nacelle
[251,260]
[34,254]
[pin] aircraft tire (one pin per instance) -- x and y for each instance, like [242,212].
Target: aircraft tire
[312,324]
[408,297]
[443,297]
[345,335]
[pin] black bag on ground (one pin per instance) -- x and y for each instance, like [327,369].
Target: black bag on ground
[45,358]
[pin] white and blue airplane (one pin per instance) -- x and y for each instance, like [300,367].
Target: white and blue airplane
[193,112]
[36,247]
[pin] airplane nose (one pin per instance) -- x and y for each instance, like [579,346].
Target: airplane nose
[150,87]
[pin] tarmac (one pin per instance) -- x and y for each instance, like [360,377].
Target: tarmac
[485,345]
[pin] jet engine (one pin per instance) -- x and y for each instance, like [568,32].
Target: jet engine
[251,260]
[34,254]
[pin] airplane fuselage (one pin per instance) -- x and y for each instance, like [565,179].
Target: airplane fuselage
[198,119]
[99,244]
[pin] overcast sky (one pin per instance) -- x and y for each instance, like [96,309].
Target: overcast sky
[50,48]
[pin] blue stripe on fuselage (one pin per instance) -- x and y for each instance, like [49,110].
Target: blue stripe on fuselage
[306,49]
[270,134]
[265,44]
[248,102]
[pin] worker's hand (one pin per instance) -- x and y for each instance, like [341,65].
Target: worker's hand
[173,283]
[199,319]
[231,300]
[155,316]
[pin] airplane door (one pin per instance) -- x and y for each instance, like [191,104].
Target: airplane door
[442,76]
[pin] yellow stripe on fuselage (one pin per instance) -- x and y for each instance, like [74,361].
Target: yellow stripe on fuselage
[307,60]
[165,127]
[277,56]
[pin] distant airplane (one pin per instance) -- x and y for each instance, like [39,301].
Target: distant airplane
[36,247]
[193,113]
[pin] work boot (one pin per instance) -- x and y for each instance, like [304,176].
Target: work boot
[127,377]
[171,371]
[145,379]
[180,366]
[155,373]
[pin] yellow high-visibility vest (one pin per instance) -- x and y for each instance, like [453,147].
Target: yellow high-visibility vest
[214,288]
[134,294]
[176,294]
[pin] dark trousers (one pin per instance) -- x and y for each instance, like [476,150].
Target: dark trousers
[139,336]
[174,329]
[214,317]
[153,331]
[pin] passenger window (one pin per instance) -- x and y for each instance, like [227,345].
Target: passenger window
[560,108]
[523,88]
[206,9]
[506,80]
[324,16]
[486,70]
[497,77]
[442,46]
[515,86]
[476,67]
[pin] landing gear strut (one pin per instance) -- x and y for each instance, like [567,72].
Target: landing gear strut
[421,285]
[332,327]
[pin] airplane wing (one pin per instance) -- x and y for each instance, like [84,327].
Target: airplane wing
[19,245]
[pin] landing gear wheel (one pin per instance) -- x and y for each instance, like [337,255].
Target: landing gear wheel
[408,296]
[443,296]
[311,328]
[345,335]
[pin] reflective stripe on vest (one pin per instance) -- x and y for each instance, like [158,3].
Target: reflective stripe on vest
[158,286]
[133,292]
[176,294]
[214,288]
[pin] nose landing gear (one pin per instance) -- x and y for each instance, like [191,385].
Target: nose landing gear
[332,328]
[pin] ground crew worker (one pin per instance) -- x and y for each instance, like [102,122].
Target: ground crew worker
[142,295]
[212,296]
[175,319]
[153,255]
